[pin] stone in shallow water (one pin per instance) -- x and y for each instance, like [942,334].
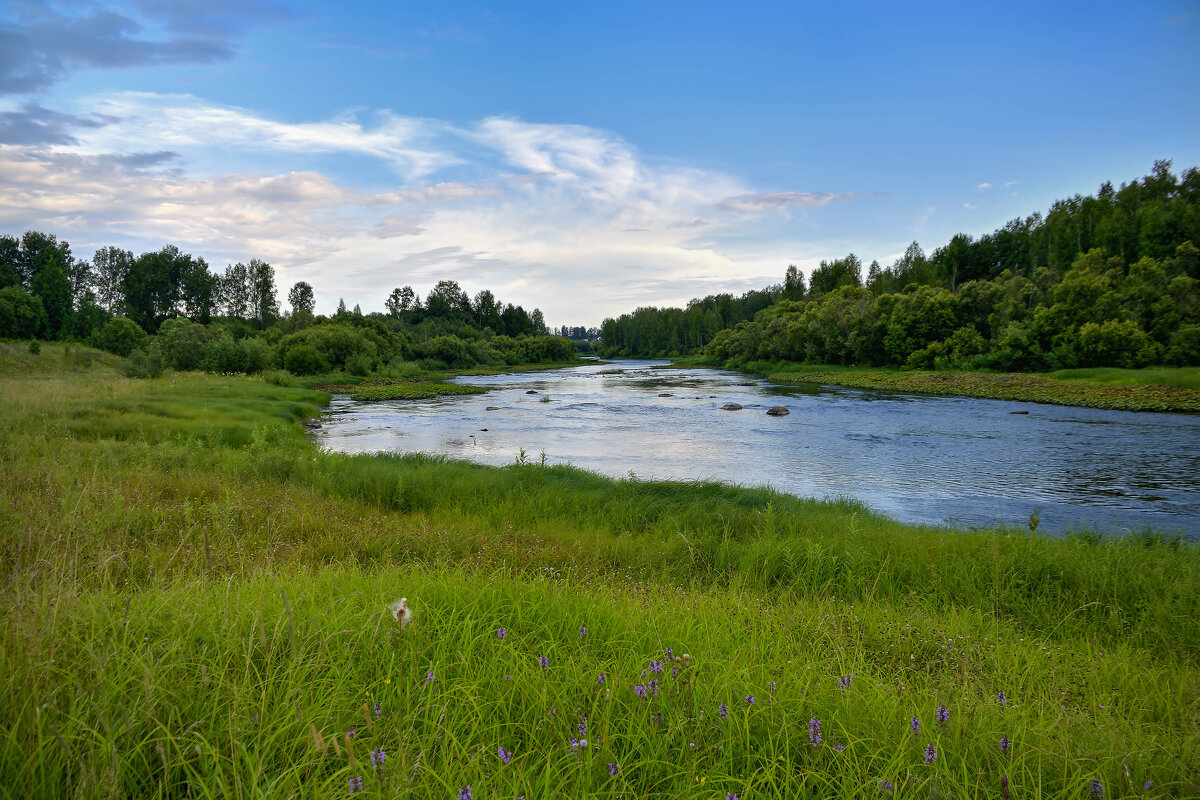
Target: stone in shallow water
[492,408]
[731,407]
[778,411]
[531,391]
[665,394]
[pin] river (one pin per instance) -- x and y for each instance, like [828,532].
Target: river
[939,460]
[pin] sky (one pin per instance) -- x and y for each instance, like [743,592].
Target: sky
[581,158]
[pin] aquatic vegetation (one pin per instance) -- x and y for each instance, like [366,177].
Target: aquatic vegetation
[416,390]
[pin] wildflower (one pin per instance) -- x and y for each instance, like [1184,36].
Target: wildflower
[613,769]
[507,677]
[839,747]
[1096,787]
[429,676]
[930,754]
[723,711]
[654,687]
[351,733]
[657,719]
[656,667]
[582,726]
[943,714]
[601,678]
[378,757]
[1146,785]
[844,682]
[667,650]
[730,796]
[401,612]
[916,725]
[674,672]
[1002,699]
[465,793]
[378,710]
[1005,744]
[543,661]
[749,699]
[356,784]
[500,634]
[640,690]
[886,786]
[771,686]
[814,731]
[582,631]
[504,755]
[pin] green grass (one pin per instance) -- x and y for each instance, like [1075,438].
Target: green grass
[1186,377]
[413,391]
[191,589]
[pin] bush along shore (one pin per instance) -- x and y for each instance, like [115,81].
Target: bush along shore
[196,603]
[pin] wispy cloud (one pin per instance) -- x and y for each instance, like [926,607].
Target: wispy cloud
[969,206]
[984,185]
[547,208]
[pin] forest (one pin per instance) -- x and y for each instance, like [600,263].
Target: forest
[1098,281]
[167,309]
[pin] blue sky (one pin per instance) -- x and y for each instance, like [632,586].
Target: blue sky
[582,158]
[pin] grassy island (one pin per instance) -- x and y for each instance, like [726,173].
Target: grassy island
[195,604]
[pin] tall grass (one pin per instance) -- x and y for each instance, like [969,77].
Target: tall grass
[194,605]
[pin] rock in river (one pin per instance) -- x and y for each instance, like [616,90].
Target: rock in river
[492,408]
[731,407]
[778,411]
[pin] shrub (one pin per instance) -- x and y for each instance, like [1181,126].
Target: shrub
[120,335]
[148,363]
[1115,344]
[279,377]
[305,359]
[184,343]
[22,315]
[225,356]
[259,354]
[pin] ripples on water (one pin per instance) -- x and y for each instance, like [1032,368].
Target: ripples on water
[941,460]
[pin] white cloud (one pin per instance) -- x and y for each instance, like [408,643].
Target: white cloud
[984,185]
[969,206]
[564,217]
[1008,184]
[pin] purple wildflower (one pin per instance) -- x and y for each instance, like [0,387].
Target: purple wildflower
[814,731]
[771,687]
[1002,699]
[1005,744]
[613,769]
[601,678]
[582,631]
[577,744]
[504,755]
[543,661]
[429,676]
[886,786]
[930,754]
[465,793]
[723,711]
[356,784]
[378,757]
[657,719]
[654,687]
[674,672]
[656,667]
[844,682]
[730,796]
[749,699]
[582,726]
[839,747]
[1096,787]
[667,650]
[1146,785]
[500,634]
[943,714]
[639,690]
[916,725]
[351,732]
[378,710]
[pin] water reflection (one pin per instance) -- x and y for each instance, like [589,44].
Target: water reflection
[922,459]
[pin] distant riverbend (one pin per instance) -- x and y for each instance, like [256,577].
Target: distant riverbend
[924,459]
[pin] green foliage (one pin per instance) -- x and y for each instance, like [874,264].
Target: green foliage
[305,359]
[226,356]
[22,315]
[184,343]
[120,335]
[147,363]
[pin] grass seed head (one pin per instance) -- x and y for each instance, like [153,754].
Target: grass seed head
[401,612]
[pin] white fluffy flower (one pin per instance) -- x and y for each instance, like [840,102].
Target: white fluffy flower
[401,612]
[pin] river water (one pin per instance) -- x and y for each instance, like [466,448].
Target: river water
[941,460]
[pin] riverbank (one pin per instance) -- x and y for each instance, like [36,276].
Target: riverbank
[194,601]
[1162,389]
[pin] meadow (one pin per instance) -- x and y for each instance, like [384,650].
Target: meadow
[195,604]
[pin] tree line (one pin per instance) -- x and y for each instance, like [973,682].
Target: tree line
[1109,280]
[170,308]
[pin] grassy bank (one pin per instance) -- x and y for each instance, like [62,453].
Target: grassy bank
[1170,389]
[194,603]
